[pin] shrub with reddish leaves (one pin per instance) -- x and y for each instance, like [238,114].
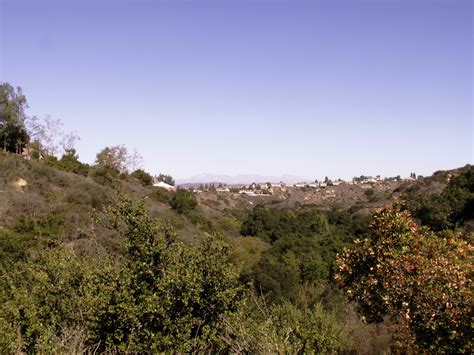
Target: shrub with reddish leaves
[421,280]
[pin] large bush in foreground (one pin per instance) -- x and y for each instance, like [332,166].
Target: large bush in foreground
[421,280]
[167,295]
[161,296]
[47,302]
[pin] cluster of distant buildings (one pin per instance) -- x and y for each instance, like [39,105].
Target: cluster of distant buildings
[268,188]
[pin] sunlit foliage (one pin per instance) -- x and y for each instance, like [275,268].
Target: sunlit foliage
[421,280]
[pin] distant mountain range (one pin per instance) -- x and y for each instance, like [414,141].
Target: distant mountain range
[239,179]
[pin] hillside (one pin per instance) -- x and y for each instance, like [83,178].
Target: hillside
[37,199]
[49,205]
[360,196]
[74,244]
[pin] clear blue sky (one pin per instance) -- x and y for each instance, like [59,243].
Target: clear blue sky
[311,88]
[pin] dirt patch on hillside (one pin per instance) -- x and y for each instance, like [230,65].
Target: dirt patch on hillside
[20,184]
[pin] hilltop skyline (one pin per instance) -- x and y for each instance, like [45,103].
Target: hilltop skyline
[307,88]
[286,178]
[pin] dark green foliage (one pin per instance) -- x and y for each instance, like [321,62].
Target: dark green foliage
[14,246]
[48,228]
[267,224]
[202,222]
[29,233]
[51,161]
[229,224]
[69,162]
[46,303]
[172,296]
[104,175]
[142,176]
[372,195]
[304,245]
[183,201]
[162,296]
[161,195]
[168,179]
[451,208]
[272,224]
[349,224]
[13,133]
[460,193]
[88,194]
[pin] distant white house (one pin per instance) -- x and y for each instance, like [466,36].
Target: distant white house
[165,186]
[249,193]
[223,189]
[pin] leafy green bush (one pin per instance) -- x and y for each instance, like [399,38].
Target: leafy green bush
[70,162]
[170,295]
[451,208]
[44,301]
[229,224]
[183,201]
[104,175]
[29,233]
[142,176]
[161,195]
[202,222]
[88,194]
[162,296]
[15,246]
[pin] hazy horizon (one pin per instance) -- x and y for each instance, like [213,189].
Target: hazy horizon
[307,88]
[209,177]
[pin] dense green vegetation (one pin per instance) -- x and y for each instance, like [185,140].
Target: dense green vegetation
[141,175]
[86,268]
[94,258]
[451,208]
[82,267]
[162,295]
[183,201]
[304,244]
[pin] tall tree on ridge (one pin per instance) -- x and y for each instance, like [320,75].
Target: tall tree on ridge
[13,133]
